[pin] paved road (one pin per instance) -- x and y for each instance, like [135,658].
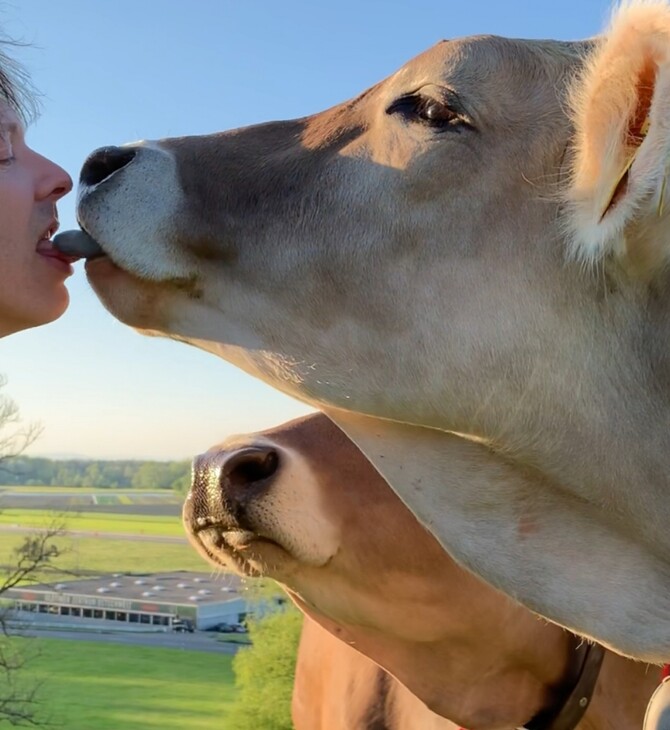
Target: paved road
[135,502]
[197,641]
[101,534]
[53,492]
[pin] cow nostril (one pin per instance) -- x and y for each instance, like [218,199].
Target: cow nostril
[104,162]
[249,466]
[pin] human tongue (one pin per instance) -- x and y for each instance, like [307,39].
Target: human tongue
[45,247]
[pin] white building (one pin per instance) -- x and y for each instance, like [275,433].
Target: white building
[151,600]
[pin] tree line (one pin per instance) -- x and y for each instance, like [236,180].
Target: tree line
[131,474]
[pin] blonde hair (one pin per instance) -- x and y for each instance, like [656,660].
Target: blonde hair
[16,89]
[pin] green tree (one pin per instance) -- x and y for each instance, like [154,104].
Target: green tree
[264,673]
[182,484]
[160,474]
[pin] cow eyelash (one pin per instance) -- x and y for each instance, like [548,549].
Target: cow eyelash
[427,110]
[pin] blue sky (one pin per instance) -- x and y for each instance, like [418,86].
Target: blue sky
[113,71]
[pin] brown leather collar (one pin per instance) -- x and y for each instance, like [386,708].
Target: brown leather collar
[581,681]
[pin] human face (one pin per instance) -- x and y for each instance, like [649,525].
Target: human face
[32,273]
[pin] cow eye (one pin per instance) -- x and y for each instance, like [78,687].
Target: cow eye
[426,110]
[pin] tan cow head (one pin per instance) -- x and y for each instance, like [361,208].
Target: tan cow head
[300,503]
[418,254]
[355,235]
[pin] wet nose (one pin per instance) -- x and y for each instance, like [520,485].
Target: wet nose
[105,162]
[223,484]
[248,469]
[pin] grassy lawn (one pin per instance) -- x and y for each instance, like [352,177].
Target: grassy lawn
[95,521]
[107,555]
[93,685]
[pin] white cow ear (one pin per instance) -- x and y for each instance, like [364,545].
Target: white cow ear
[618,200]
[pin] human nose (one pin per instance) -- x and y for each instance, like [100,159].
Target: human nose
[54,182]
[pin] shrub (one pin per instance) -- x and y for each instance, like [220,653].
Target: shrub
[264,673]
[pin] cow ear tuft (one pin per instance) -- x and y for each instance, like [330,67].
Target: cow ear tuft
[616,197]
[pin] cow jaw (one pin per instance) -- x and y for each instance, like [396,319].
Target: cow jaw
[242,552]
[514,528]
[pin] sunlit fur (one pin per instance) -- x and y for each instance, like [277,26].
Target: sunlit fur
[611,90]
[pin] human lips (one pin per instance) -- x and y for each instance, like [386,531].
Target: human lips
[45,248]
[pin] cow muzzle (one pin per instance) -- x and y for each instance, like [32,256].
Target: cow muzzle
[224,508]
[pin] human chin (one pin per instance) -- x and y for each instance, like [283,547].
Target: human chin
[56,306]
[43,309]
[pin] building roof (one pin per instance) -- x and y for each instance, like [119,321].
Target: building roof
[176,588]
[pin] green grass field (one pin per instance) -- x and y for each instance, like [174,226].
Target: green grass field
[93,685]
[95,521]
[87,684]
[107,555]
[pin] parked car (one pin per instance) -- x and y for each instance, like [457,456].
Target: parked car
[223,628]
[226,628]
[182,624]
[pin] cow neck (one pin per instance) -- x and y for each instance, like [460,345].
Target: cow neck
[578,685]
